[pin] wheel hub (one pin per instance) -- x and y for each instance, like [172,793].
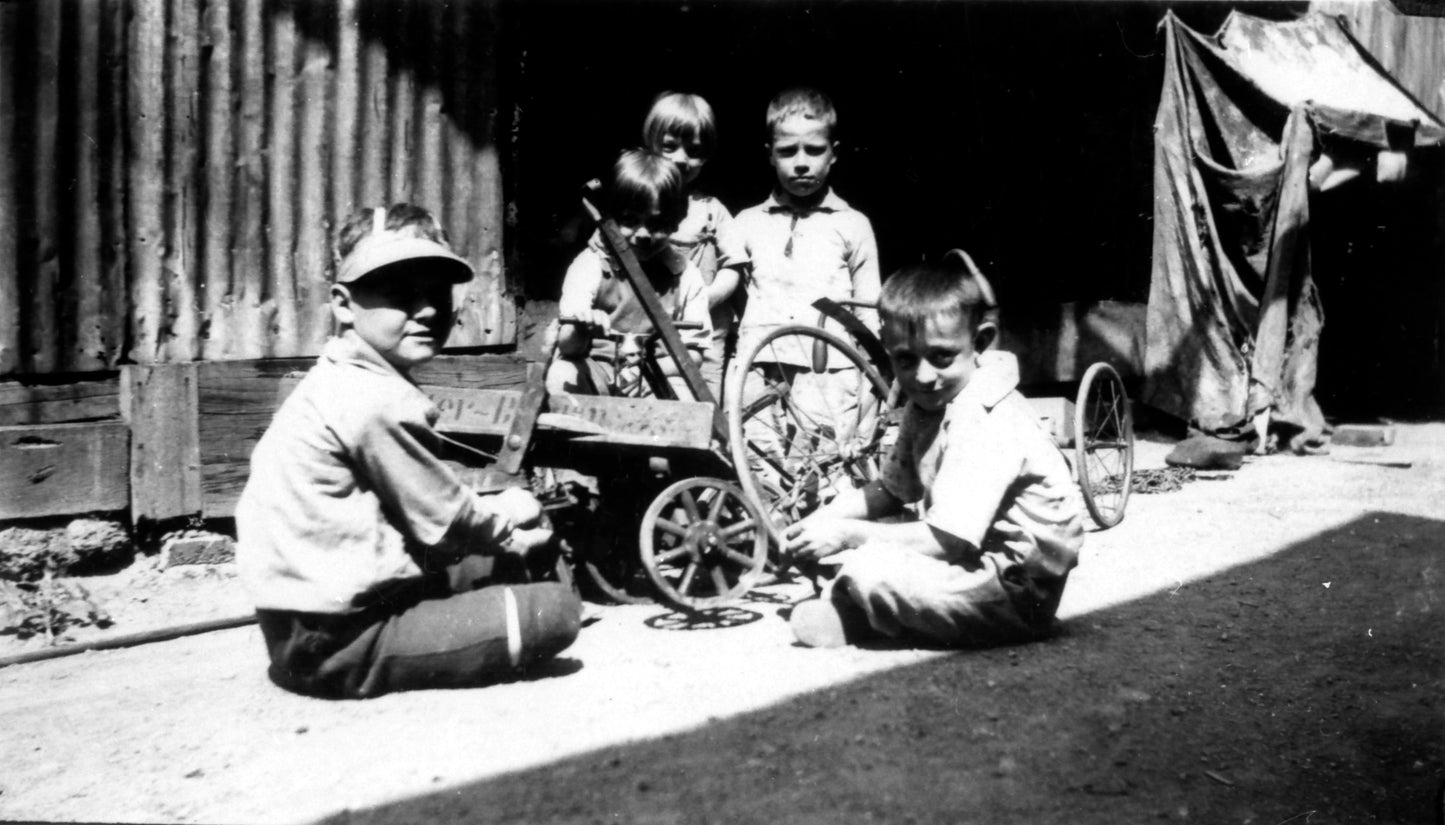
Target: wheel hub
[705,539]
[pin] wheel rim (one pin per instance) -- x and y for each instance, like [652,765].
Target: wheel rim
[794,450]
[611,565]
[703,543]
[1104,444]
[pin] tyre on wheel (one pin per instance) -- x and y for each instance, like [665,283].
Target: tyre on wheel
[807,415]
[702,543]
[1103,444]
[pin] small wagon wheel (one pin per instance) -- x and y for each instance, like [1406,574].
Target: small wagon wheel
[1104,444]
[703,543]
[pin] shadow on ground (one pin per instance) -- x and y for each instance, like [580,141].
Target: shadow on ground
[1307,687]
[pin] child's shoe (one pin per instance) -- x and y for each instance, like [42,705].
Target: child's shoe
[827,622]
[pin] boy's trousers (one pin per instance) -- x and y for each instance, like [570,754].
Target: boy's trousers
[907,595]
[460,628]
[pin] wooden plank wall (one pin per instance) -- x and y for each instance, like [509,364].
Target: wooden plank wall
[1411,47]
[235,403]
[172,171]
[184,445]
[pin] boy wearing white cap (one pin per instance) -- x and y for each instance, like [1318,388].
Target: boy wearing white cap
[373,568]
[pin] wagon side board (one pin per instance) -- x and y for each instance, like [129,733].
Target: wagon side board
[635,422]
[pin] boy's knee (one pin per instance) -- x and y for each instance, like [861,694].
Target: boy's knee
[549,616]
[865,572]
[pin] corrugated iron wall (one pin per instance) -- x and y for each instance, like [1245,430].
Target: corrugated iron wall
[1410,46]
[171,171]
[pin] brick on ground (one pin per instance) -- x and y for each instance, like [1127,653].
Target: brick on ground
[197,548]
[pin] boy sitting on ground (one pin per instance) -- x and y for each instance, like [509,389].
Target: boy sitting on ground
[372,567]
[1001,519]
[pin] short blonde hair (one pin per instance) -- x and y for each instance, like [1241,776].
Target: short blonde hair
[951,286]
[686,115]
[802,100]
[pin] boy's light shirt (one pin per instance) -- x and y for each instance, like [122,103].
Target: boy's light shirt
[988,473]
[344,480]
[592,283]
[828,251]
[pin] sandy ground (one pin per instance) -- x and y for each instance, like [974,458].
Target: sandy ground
[1261,649]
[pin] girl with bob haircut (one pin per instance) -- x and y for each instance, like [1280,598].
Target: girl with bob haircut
[682,128]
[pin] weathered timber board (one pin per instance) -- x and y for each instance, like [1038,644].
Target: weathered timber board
[28,403]
[165,464]
[639,422]
[237,400]
[59,469]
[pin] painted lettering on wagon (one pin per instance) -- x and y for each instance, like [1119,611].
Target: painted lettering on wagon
[621,420]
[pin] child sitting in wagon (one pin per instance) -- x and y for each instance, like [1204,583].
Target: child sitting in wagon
[645,194]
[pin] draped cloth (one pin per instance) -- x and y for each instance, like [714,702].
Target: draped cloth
[1234,319]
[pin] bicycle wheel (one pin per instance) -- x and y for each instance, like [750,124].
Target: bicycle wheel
[1104,444]
[702,543]
[807,417]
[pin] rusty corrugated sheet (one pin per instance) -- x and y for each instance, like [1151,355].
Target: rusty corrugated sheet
[171,171]
[1411,47]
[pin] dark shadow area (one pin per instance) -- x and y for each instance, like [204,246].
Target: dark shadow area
[551,669]
[1019,131]
[1306,686]
[1379,254]
[716,618]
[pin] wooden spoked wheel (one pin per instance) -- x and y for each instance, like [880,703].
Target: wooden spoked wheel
[1104,444]
[702,543]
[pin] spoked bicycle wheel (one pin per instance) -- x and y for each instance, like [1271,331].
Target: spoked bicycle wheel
[702,543]
[807,416]
[1104,444]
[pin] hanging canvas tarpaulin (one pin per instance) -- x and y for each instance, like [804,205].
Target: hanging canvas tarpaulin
[1234,319]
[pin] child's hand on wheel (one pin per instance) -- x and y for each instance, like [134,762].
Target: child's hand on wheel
[521,505]
[817,537]
[526,543]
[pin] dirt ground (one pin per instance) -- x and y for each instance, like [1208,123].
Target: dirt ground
[1264,648]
